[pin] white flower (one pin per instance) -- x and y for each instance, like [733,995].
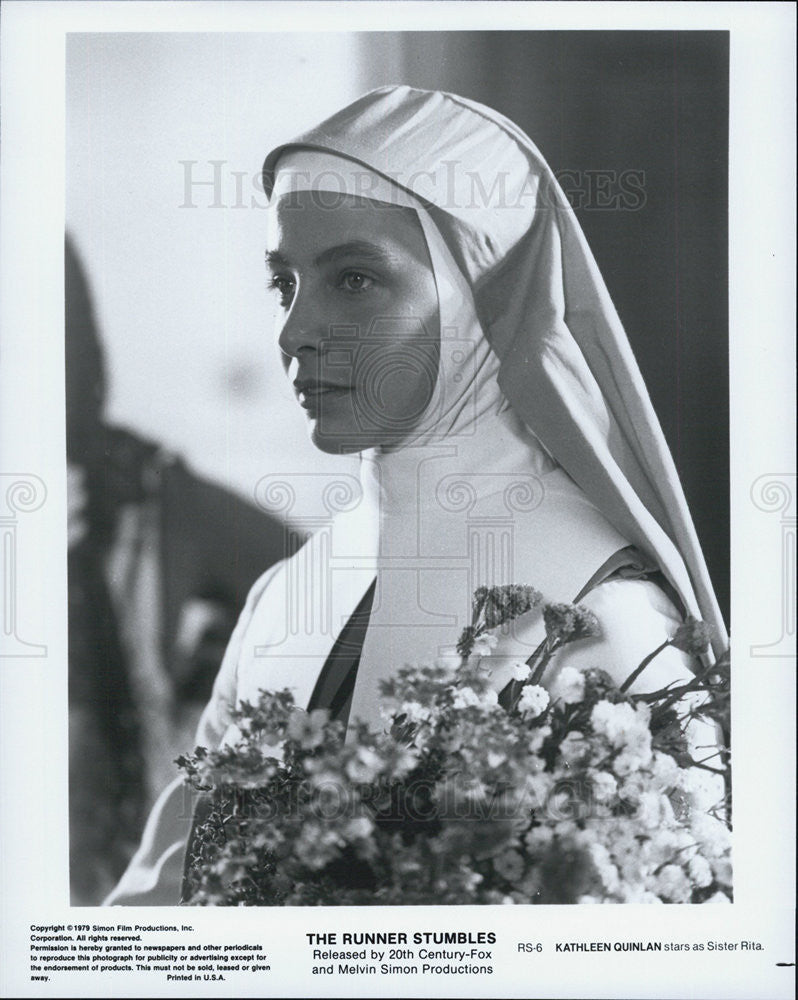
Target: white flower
[472,880]
[634,784]
[711,834]
[364,765]
[520,671]
[404,760]
[631,863]
[703,788]
[653,811]
[495,759]
[719,897]
[722,870]
[473,788]
[569,686]
[667,842]
[536,789]
[623,725]
[637,894]
[574,748]
[326,779]
[603,862]
[604,785]
[465,697]
[510,865]
[537,737]
[415,711]
[484,645]
[533,700]
[489,698]
[664,770]
[449,659]
[358,828]
[700,871]
[317,846]
[628,761]
[307,728]
[538,839]
[672,884]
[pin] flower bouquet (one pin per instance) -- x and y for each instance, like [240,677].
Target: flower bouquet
[581,793]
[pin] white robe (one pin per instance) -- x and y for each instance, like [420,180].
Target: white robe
[281,643]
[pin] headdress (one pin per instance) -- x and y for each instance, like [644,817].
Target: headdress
[543,369]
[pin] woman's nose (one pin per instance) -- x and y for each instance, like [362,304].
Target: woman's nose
[303,326]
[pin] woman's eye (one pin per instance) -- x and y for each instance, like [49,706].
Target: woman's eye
[285,288]
[355,281]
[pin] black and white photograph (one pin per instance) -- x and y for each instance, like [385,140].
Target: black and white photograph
[408,402]
[432,303]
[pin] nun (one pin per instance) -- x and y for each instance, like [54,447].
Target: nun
[439,313]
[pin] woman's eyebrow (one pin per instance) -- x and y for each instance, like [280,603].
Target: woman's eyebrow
[275,259]
[362,249]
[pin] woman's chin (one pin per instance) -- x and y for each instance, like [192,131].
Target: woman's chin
[336,434]
[338,442]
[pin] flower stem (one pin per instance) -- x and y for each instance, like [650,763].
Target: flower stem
[639,670]
[693,685]
[545,651]
[673,694]
[706,767]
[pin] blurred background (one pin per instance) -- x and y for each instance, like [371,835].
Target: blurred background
[177,406]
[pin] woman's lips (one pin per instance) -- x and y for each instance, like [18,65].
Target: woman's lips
[310,396]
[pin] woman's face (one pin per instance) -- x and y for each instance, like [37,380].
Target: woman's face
[357,316]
